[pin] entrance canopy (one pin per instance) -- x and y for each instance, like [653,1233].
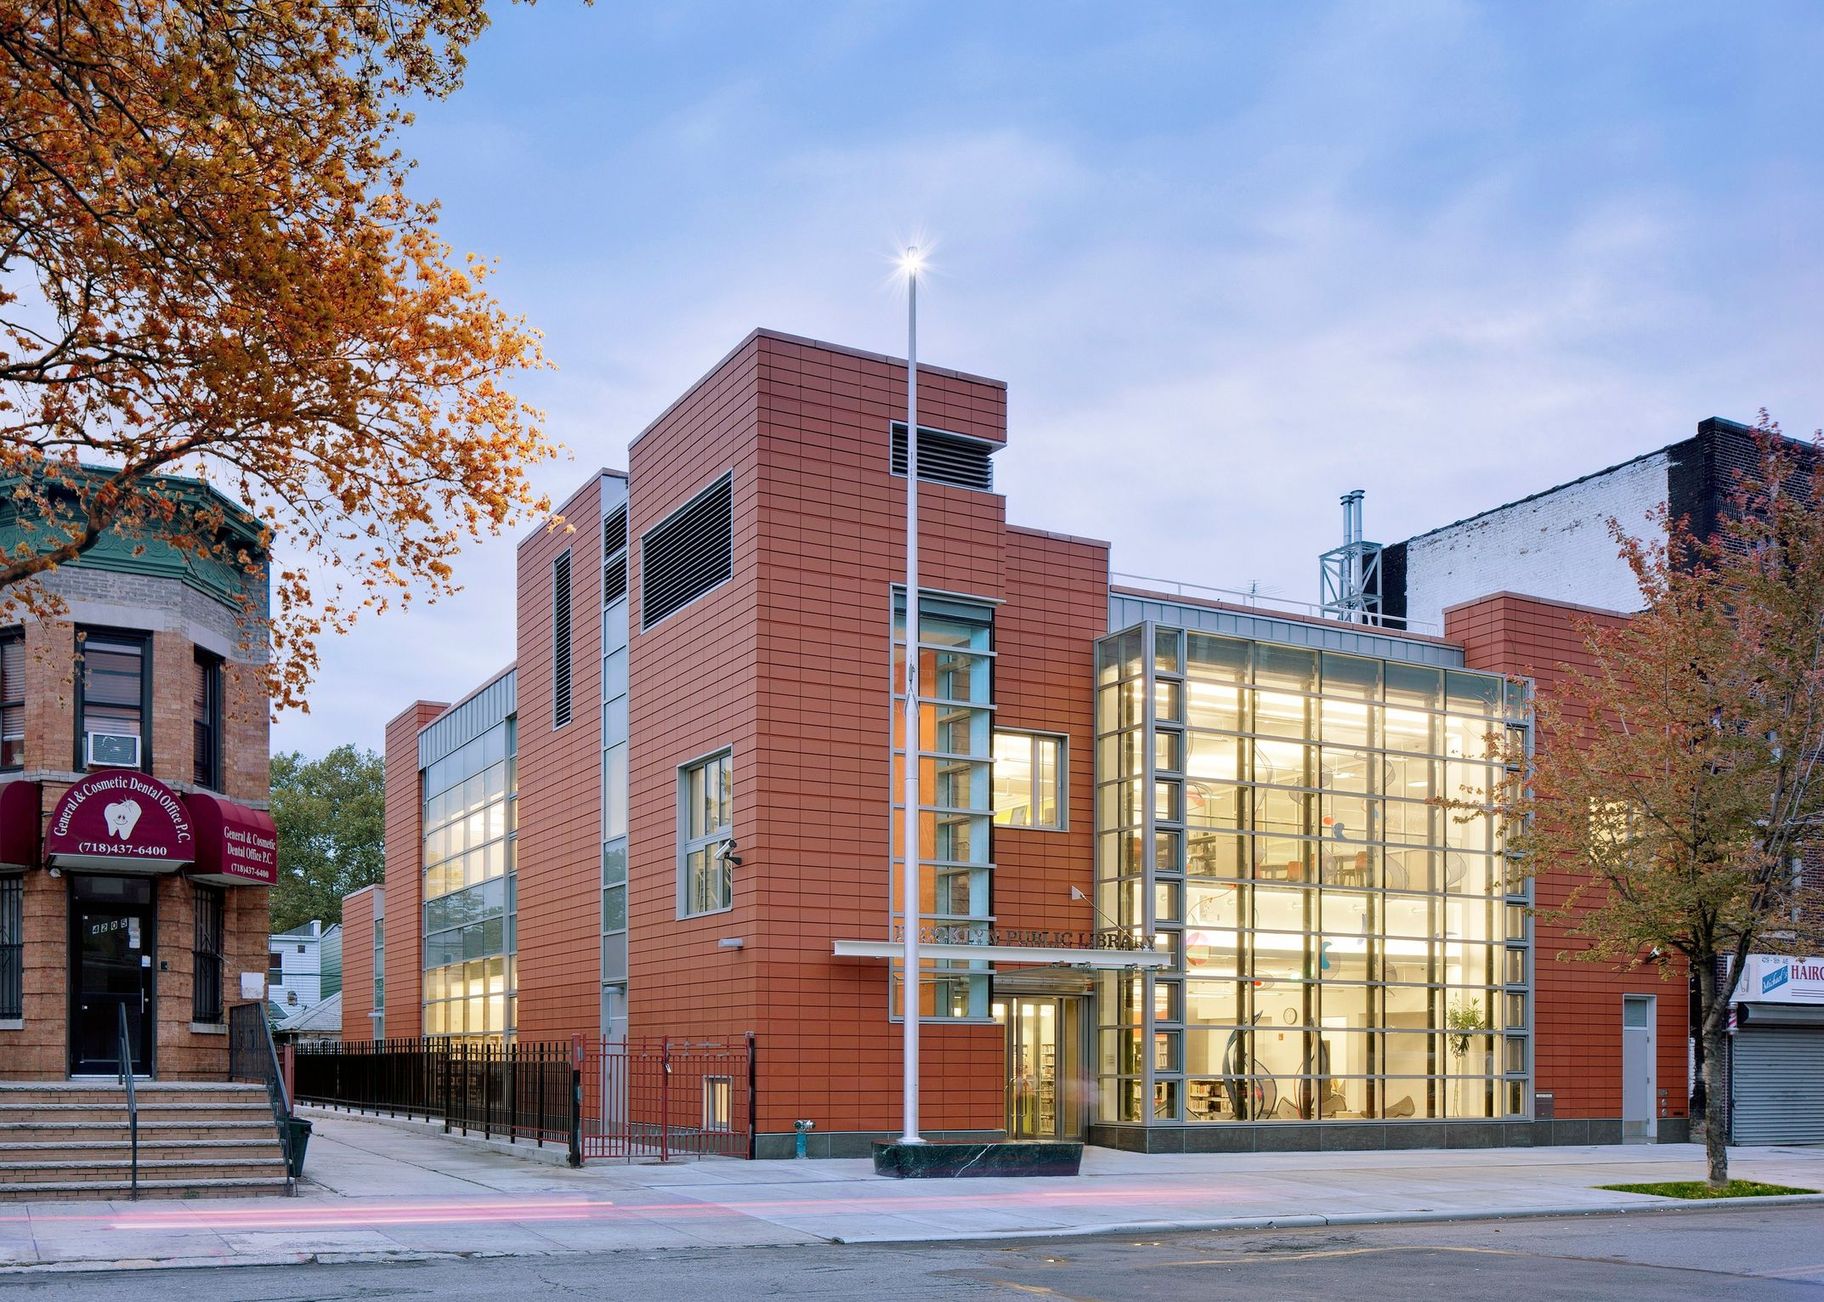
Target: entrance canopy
[120,821]
[1082,957]
[236,845]
[19,825]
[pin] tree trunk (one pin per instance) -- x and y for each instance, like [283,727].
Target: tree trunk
[1714,1020]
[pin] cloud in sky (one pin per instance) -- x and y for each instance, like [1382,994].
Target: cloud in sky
[1232,260]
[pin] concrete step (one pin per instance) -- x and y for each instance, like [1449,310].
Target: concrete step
[53,1150]
[187,1169]
[67,1130]
[159,1109]
[121,1190]
[149,1092]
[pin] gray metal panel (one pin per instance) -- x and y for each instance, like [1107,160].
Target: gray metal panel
[1776,1085]
[1125,611]
[468,720]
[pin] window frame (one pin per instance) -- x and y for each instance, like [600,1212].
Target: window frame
[689,845]
[1061,779]
[210,664]
[83,636]
[11,637]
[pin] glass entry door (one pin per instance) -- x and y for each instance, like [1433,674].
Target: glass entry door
[112,948]
[1045,1094]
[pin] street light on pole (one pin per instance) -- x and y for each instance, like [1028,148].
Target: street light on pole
[910,264]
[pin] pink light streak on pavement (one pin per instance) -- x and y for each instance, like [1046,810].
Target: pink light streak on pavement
[288,1214]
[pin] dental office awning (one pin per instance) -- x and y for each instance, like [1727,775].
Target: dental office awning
[19,824]
[1095,958]
[236,845]
[120,821]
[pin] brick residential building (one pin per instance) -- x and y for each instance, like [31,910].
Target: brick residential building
[135,850]
[1182,883]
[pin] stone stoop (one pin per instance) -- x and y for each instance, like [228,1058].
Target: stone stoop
[70,1140]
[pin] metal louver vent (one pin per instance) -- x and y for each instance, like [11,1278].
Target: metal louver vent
[560,641]
[614,532]
[614,579]
[687,553]
[946,458]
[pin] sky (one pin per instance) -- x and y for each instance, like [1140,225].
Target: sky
[1233,260]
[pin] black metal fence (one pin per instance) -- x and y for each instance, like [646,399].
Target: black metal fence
[520,1091]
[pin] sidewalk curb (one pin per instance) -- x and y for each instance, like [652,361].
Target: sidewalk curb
[1316,1221]
[1312,1221]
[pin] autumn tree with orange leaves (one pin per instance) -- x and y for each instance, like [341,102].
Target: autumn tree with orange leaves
[1688,811]
[210,267]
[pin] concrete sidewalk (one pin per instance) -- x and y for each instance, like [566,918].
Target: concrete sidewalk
[383,1192]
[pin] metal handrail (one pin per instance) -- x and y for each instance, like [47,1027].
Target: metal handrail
[248,1022]
[125,1051]
[1268,604]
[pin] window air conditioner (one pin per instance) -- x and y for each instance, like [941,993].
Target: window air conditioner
[113,750]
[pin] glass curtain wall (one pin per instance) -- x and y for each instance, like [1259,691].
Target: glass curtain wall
[1343,948]
[956,714]
[470,821]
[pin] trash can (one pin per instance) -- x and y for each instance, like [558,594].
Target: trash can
[296,1142]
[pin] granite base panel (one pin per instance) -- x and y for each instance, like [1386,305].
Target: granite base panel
[1340,1137]
[962,1161]
[857,1143]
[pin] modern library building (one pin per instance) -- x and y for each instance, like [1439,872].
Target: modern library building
[1186,879]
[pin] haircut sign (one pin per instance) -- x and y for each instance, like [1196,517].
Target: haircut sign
[121,818]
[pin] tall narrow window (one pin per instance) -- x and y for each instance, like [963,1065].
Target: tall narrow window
[112,707]
[206,713]
[12,947]
[706,819]
[560,641]
[206,986]
[379,1011]
[1028,779]
[12,699]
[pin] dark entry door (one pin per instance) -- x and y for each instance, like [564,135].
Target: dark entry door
[112,949]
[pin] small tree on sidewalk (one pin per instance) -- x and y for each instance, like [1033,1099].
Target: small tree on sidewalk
[1683,778]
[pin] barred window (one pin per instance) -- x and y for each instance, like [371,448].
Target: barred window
[206,986]
[12,946]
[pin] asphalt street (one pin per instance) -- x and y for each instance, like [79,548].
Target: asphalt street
[1742,1254]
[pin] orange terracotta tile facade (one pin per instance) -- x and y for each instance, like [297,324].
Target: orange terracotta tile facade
[1577,1041]
[787,666]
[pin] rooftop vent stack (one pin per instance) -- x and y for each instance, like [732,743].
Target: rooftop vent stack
[1351,574]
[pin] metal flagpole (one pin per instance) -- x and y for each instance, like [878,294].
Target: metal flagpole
[909,986]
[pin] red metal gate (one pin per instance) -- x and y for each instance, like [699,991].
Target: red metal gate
[668,1098]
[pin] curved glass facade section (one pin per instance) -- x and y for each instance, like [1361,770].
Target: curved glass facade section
[1344,946]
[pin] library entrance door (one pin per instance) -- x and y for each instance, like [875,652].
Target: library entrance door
[1047,1096]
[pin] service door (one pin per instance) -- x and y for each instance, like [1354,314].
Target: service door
[112,949]
[1639,1081]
